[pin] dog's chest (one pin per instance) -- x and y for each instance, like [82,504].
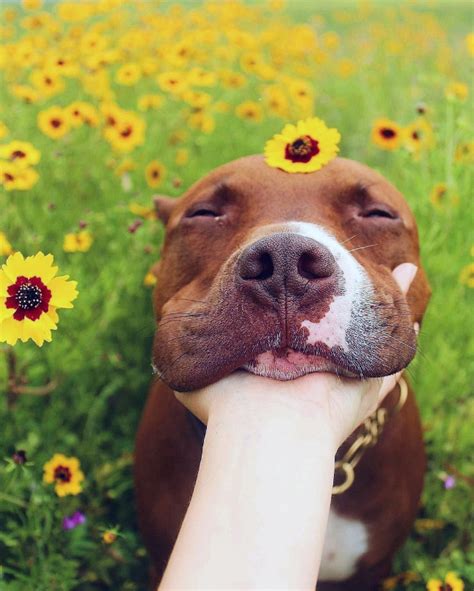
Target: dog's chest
[346,541]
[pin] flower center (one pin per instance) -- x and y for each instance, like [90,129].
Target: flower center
[29,297]
[18,154]
[127,132]
[302,149]
[62,474]
[56,122]
[387,133]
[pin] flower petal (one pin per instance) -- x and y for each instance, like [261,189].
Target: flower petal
[14,266]
[40,265]
[63,292]
[5,312]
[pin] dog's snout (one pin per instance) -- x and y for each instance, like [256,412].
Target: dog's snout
[285,262]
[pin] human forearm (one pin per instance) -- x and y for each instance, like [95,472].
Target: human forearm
[259,509]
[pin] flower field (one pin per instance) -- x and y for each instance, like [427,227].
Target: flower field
[105,103]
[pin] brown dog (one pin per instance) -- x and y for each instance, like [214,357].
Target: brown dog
[285,274]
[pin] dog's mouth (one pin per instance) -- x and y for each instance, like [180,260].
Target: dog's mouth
[289,364]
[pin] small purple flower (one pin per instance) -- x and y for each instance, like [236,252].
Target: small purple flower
[449,482]
[72,521]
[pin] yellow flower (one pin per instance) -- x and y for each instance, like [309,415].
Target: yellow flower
[418,136]
[16,177]
[112,113]
[464,152]
[301,92]
[276,101]
[148,102]
[30,293]
[25,93]
[182,156]
[127,133]
[109,537]
[457,90]
[80,112]
[451,583]
[5,247]
[330,40]
[125,166]
[346,68]
[305,147]
[199,77]
[128,74]
[466,277]
[174,82]
[21,153]
[65,473]
[196,98]
[149,280]
[202,122]
[47,82]
[386,134]
[144,212]
[154,173]
[61,64]
[232,79]
[54,122]
[424,525]
[440,195]
[79,242]
[31,4]
[249,110]
[470,43]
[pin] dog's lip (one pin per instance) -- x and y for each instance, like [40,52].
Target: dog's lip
[289,364]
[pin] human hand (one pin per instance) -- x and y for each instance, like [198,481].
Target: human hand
[340,404]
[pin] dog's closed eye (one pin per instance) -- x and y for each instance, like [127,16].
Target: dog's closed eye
[379,211]
[203,213]
[200,210]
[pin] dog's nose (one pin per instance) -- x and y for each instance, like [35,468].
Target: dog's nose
[287,263]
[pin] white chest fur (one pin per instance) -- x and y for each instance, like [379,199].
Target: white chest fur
[346,541]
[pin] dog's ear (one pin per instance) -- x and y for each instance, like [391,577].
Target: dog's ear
[163,207]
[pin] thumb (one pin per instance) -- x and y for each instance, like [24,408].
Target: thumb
[404,275]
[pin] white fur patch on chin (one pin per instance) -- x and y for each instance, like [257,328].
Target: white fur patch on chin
[332,328]
[346,541]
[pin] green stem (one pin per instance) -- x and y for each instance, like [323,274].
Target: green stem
[13,500]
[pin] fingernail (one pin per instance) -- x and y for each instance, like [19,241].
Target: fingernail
[404,275]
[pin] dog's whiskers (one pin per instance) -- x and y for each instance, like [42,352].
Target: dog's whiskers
[349,239]
[363,247]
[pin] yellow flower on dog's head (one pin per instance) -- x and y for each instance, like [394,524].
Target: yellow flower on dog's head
[65,473]
[305,147]
[30,293]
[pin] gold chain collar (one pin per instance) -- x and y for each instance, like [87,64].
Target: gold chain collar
[372,428]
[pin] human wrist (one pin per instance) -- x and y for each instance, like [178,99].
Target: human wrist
[241,415]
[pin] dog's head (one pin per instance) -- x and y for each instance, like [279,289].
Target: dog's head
[285,274]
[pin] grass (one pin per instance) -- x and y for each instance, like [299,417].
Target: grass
[401,54]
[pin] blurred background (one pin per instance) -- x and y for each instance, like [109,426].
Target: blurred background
[103,104]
